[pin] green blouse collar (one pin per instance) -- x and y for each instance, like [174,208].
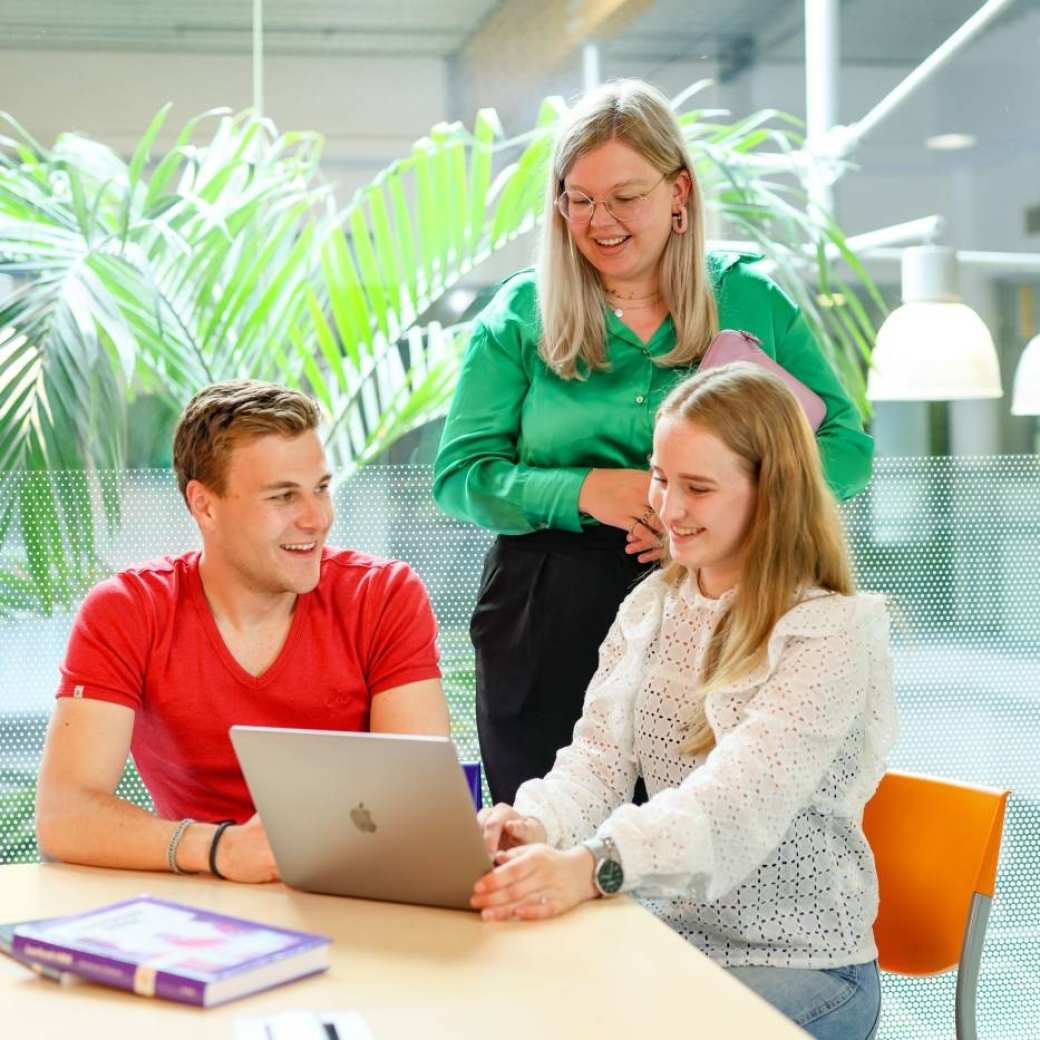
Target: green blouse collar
[662,340]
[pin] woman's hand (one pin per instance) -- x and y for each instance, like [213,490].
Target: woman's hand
[618,497]
[504,828]
[535,881]
[646,542]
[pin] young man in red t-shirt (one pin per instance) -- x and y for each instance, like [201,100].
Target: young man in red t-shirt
[264,626]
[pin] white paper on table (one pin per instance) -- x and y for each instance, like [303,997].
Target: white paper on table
[303,1025]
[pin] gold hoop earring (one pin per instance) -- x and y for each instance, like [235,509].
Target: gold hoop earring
[680,221]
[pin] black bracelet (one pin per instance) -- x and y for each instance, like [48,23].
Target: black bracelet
[221,827]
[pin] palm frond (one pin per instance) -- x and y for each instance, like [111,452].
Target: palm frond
[227,257]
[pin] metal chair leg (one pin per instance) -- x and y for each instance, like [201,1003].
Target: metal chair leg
[968,969]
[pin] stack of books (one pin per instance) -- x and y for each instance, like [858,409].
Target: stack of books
[161,949]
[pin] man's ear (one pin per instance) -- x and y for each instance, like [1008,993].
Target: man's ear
[200,501]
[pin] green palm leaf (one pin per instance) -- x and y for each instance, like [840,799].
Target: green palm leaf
[227,257]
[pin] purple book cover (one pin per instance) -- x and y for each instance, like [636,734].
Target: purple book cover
[162,949]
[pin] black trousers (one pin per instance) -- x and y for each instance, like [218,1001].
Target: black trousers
[545,605]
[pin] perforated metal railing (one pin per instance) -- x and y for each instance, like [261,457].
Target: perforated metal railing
[955,543]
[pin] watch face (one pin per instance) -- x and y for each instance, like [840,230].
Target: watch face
[610,876]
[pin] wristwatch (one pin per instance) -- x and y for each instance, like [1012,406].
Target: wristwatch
[607,875]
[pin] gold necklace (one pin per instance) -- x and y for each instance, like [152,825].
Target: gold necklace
[630,303]
[631,296]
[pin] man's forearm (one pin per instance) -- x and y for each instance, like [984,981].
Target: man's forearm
[97,829]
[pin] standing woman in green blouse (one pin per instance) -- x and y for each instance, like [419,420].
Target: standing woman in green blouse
[547,438]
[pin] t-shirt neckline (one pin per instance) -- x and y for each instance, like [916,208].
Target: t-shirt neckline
[230,662]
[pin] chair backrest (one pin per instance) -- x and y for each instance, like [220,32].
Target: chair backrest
[936,844]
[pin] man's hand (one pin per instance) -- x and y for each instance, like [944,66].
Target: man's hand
[244,853]
[533,882]
[504,828]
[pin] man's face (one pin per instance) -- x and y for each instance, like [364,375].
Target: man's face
[269,526]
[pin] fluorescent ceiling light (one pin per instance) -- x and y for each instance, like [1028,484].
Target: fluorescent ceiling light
[1026,400]
[951,142]
[933,347]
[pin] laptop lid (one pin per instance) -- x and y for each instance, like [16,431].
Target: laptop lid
[369,815]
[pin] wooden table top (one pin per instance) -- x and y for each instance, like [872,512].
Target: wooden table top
[608,969]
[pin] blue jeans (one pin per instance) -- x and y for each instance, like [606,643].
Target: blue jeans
[828,1003]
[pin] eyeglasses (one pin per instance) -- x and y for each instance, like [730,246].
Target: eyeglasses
[577,208]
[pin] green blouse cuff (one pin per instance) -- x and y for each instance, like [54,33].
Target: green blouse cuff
[550,497]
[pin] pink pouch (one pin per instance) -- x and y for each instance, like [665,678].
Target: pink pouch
[731,345]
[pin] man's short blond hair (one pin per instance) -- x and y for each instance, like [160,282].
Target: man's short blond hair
[222,415]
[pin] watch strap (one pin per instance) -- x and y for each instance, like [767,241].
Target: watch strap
[607,872]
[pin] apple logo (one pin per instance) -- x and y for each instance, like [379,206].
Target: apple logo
[362,819]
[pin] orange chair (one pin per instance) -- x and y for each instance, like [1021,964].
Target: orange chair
[936,845]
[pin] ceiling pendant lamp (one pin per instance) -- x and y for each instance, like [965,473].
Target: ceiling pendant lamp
[1026,399]
[933,347]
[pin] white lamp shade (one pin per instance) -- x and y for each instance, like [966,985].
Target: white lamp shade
[1026,400]
[933,351]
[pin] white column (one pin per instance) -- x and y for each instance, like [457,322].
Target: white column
[901,428]
[590,71]
[822,69]
[258,56]
[975,425]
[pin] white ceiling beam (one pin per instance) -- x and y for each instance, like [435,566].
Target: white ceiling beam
[846,138]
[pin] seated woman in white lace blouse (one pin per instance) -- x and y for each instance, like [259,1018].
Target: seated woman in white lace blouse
[751,688]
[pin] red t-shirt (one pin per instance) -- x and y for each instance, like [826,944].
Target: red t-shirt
[146,638]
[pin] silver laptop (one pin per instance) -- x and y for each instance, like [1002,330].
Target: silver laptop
[365,814]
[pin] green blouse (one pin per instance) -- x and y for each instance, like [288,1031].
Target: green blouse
[519,440]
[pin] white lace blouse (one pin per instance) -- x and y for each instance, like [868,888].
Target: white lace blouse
[754,851]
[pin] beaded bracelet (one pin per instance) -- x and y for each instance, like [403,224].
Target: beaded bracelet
[175,840]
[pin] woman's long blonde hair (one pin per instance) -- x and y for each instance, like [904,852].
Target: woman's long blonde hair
[570,295]
[795,539]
